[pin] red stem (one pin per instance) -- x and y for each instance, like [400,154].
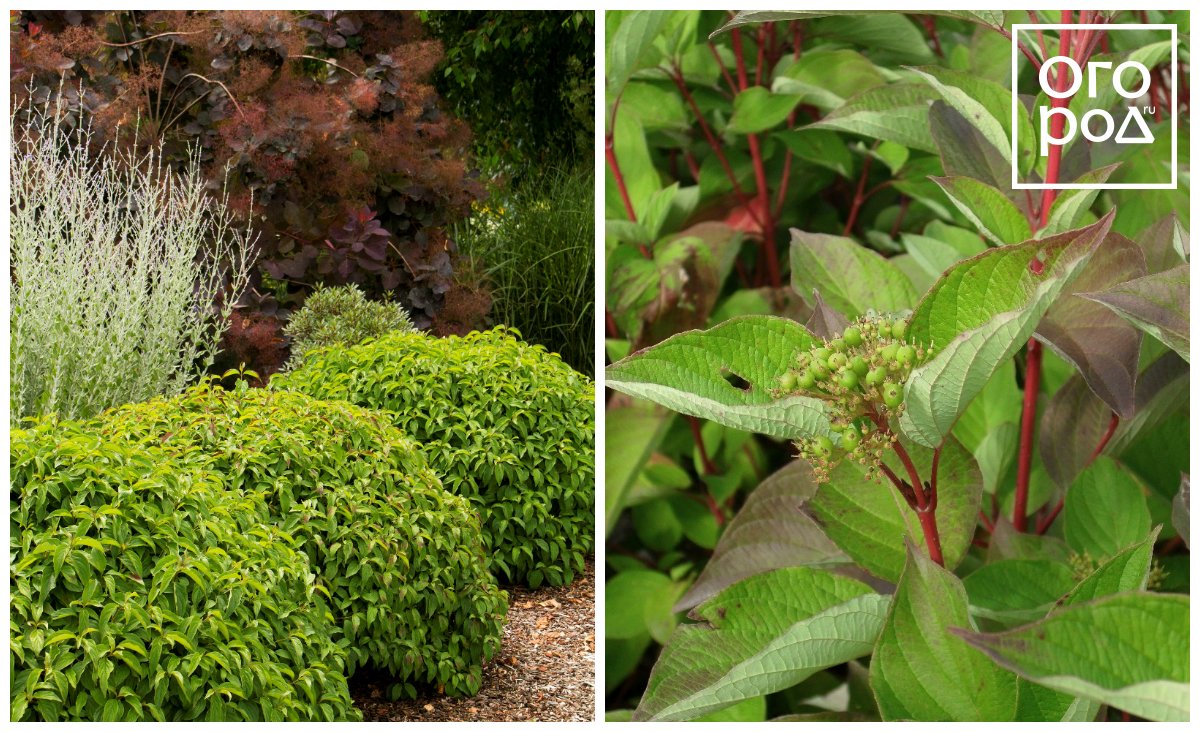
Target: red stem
[611,324]
[857,203]
[709,469]
[931,28]
[1033,362]
[926,504]
[611,158]
[1033,377]
[713,143]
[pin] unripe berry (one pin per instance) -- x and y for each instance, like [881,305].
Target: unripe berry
[848,379]
[821,354]
[852,337]
[905,355]
[888,352]
[824,446]
[788,380]
[899,328]
[850,438]
[838,344]
[807,379]
[893,395]
[876,376]
[837,360]
[819,369]
[860,365]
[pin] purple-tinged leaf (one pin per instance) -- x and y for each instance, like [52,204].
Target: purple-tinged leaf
[825,322]
[1071,427]
[769,532]
[964,149]
[1101,344]
[1157,304]
[1181,510]
[1164,244]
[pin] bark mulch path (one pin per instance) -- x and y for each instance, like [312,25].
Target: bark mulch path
[545,671]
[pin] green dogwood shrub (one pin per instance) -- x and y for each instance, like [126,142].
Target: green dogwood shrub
[505,424]
[141,591]
[399,557]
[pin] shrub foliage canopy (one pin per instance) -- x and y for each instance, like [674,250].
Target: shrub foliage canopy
[505,424]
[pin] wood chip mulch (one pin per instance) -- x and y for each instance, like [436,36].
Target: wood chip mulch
[545,671]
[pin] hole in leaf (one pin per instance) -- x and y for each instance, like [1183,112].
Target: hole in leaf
[734,380]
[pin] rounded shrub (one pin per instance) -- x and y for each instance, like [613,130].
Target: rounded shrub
[142,591]
[400,557]
[505,424]
[341,316]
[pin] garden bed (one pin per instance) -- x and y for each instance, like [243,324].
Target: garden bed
[545,671]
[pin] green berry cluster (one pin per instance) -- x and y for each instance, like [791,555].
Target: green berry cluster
[860,374]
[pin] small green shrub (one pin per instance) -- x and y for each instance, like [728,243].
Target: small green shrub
[141,591]
[505,424]
[400,557]
[341,316]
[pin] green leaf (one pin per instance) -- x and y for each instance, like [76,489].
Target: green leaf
[633,431]
[769,532]
[644,607]
[820,147]
[827,78]
[991,18]
[869,520]
[1017,590]
[1156,303]
[1039,704]
[759,636]
[1067,209]
[898,113]
[851,278]
[937,254]
[727,374]
[891,38]
[1095,340]
[1126,571]
[920,670]
[1105,510]
[1129,651]
[987,208]
[757,109]
[977,316]
[631,45]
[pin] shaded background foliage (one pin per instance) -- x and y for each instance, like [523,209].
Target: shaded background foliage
[329,130]
[524,81]
[322,124]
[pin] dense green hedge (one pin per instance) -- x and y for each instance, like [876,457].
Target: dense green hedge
[145,592]
[505,424]
[400,557]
